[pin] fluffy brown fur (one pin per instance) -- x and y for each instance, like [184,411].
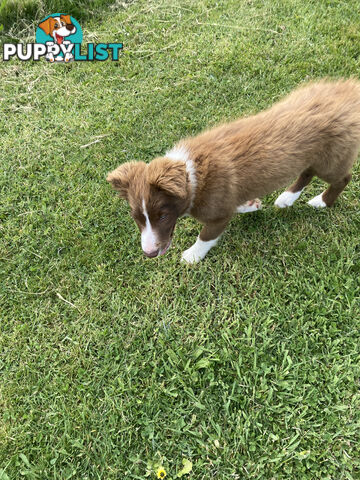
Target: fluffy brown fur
[313,131]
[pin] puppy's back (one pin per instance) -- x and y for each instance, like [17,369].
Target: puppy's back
[317,125]
[325,106]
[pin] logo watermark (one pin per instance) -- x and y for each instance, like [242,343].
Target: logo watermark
[58,39]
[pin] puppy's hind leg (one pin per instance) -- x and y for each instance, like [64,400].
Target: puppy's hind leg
[327,198]
[287,198]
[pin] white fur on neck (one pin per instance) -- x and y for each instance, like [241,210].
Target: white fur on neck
[181,153]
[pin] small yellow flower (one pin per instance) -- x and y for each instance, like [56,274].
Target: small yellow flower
[161,473]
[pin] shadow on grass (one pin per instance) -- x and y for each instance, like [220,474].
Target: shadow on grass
[273,222]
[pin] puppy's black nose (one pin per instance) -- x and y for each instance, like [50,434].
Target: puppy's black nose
[152,254]
[70,26]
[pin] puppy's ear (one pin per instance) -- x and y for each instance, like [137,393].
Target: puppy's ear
[168,175]
[123,176]
[47,25]
[66,18]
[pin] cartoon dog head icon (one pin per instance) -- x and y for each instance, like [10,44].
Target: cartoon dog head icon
[58,27]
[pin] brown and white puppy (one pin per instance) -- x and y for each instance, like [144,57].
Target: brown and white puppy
[58,27]
[313,131]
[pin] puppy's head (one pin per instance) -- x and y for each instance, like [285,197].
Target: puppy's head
[158,193]
[58,27]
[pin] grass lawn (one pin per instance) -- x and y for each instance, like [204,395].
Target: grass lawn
[247,364]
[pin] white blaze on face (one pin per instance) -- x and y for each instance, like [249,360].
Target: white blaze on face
[149,239]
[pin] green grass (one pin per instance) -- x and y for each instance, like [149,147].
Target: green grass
[247,364]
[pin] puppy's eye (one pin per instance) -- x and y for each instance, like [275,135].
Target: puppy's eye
[56,25]
[63,24]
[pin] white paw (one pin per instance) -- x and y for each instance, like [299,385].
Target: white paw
[191,255]
[317,202]
[198,251]
[250,206]
[286,199]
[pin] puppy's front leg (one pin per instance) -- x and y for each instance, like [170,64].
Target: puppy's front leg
[207,239]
